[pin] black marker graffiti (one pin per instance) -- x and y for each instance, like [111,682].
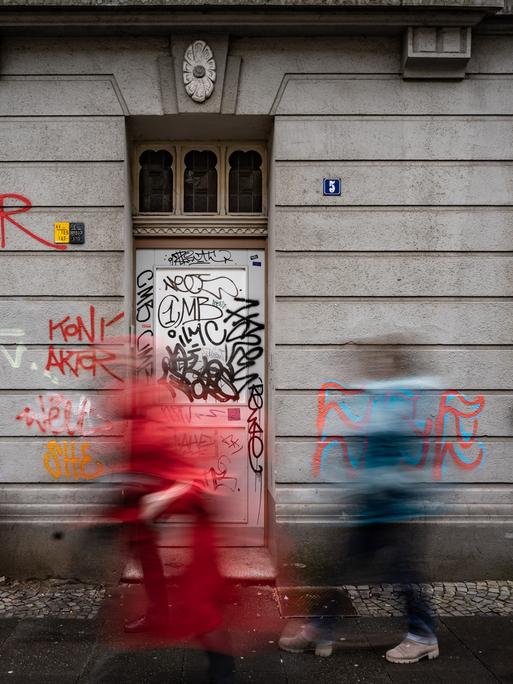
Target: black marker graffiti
[195,374]
[209,333]
[233,443]
[195,283]
[174,311]
[255,431]
[144,348]
[216,341]
[245,327]
[218,477]
[197,377]
[246,339]
[212,413]
[144,296]
[186,257]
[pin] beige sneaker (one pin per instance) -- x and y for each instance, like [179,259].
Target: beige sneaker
[300,643]
[409,651]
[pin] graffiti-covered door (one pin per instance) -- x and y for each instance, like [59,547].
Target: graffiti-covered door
[200,331]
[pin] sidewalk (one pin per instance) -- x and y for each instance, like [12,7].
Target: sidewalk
[64,645]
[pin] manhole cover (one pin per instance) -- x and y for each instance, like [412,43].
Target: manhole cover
[314,601]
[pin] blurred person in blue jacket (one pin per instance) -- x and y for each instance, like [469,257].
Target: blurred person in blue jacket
[386,493]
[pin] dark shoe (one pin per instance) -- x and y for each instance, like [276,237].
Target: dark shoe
[145,623]
[222,668]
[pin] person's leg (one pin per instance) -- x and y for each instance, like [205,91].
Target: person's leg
[420,641]
[421,620]
[407,557]
[144,549]
[153,574]
[317,634]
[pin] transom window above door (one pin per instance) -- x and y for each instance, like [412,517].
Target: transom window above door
[187,180]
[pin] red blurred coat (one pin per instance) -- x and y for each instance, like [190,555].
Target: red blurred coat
[197,598]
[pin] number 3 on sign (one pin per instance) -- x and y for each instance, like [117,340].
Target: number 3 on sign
[331,187]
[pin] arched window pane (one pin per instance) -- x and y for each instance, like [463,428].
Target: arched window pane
[245,182]
[200,182]
[156,181]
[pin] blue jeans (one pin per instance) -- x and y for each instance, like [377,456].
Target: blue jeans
[399,567]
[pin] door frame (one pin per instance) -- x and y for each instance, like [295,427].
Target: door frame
[227,242]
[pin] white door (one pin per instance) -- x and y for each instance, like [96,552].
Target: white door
[200,332]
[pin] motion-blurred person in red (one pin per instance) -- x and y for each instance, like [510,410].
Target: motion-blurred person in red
[158,482]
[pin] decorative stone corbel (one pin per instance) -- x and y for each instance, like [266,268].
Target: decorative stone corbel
[434,52]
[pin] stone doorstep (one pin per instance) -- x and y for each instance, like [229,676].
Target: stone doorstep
[251,564]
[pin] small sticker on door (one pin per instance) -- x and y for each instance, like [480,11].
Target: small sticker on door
[234,414]
[256,263]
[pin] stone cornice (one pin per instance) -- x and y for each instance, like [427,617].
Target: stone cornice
[486,5]
[256,17]
[155,225]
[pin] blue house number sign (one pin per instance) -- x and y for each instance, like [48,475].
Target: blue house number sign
[331,187]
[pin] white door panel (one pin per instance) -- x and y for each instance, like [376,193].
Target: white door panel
[200,331]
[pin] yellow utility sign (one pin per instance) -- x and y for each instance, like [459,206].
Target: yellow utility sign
[61,232]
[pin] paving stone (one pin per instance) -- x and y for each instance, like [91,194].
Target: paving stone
[461,598]
[52,620]
[37,598]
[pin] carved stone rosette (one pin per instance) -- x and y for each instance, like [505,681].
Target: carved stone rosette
[199,71]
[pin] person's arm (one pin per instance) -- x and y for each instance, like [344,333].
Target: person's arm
[152,505]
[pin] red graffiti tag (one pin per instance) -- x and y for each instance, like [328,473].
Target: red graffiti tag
[56,417]
[459,450]
[326,404]
[90,359]
[76,360]
[434,436]
[7,214]
[78,331]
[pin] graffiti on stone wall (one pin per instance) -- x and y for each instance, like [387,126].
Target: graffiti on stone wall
[70,362]
[447,435]
[59,415]
[15,356]
[144,316]
[56,414]
[9,207]
[91,359]
[70,460]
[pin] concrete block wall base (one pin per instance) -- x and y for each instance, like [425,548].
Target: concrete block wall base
[315,554]
[61,550]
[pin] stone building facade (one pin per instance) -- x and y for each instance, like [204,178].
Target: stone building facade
[346,166]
